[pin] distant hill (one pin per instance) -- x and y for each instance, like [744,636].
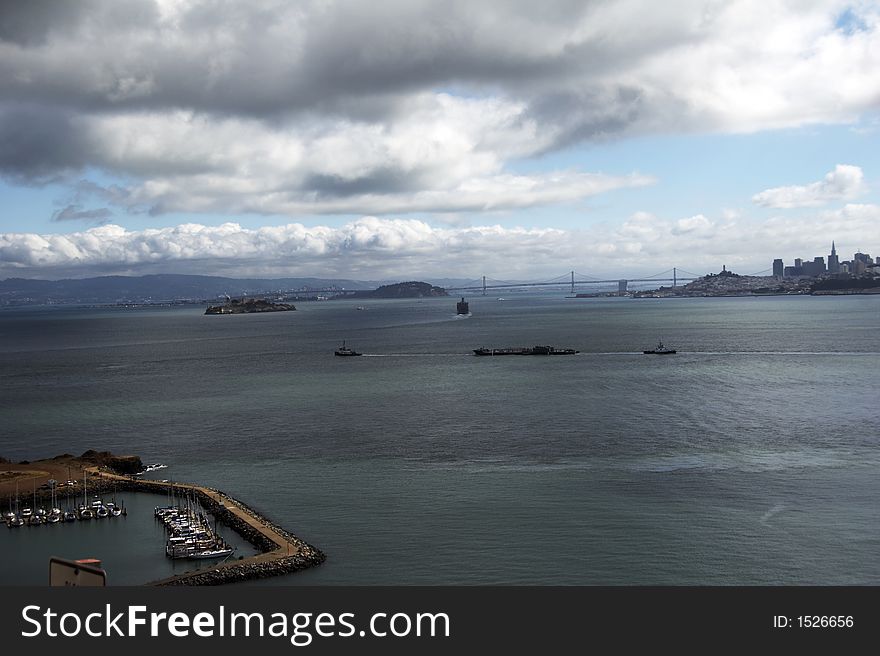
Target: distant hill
[156,288]
[410,289]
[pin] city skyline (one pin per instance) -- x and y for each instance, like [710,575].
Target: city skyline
[817,266]
[418,140]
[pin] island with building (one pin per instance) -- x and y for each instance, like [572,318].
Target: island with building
[248,306]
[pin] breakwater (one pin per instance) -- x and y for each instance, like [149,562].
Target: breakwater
[281,552]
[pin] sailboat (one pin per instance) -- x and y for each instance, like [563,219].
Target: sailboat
[37,515]
[54,515]
[69,514]
[9,515]
[84,511]
[113,507]
[16,519]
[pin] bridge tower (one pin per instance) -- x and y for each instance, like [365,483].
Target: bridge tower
[673,277]
[572,283]
[484,285]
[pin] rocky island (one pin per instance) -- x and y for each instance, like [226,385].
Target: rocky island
[248,306]
[410,289]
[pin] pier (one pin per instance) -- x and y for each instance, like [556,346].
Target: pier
[281,551]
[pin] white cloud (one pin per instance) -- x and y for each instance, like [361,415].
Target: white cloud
[446,155]
[374,248]
[338,107]
[845,182]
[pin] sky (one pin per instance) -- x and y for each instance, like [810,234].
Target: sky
[408,139]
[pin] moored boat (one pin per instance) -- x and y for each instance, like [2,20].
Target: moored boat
[211,553]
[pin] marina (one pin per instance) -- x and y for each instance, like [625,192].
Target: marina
[190,534]
[39,513]
[201,528]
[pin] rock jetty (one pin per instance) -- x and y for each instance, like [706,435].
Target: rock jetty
[281,551]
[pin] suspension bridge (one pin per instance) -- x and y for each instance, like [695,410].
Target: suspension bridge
[573,280]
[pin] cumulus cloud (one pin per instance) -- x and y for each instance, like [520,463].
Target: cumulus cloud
[374,248]
[417,106]
[845,182]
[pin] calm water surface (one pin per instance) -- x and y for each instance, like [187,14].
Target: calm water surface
[749,457]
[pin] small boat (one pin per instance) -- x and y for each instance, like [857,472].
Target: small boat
[70,516]
[462,307]
[660,350]
[210,553]
[345,351]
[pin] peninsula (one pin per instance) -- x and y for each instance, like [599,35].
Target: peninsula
[727,283]
[248,306]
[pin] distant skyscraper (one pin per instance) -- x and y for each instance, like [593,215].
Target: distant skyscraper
[778,268]
[798,262]
[814,268]
[833,262]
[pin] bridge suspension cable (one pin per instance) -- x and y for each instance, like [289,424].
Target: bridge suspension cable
[586,275]
[662,273]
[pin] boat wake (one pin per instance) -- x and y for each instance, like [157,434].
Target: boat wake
[778,508]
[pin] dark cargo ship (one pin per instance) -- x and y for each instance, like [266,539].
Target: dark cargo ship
[462,307]
[533,350]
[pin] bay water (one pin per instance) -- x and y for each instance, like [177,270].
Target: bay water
[749,457]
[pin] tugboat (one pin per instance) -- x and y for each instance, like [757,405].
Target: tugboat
[660,350]
[462,307]
[345,351]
